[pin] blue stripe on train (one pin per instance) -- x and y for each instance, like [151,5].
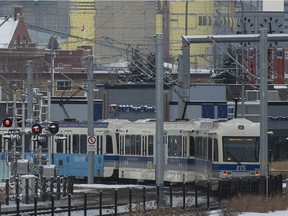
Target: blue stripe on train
[248,167]
[77,164]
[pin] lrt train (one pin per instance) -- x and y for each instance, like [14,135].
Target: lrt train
[198,149]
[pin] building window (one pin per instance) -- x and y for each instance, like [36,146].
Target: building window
[202,21]
[17,83]
[64,85]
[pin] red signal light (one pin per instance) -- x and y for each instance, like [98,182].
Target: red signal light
[36,129]
[7,122]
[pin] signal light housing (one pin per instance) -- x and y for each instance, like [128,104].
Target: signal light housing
[7,122]
[36,129]
[53,128]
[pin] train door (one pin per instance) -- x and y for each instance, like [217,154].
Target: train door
[147,150]
[109,145]
[79,143]
[201,156]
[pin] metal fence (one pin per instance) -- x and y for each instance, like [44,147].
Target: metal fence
[200,194]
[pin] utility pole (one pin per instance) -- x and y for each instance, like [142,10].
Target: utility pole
[159,118]
[53,74]
[29,89]
[263,107]
[90,118]
[48,118]
[23,97]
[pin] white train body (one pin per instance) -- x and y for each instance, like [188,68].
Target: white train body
[193,150]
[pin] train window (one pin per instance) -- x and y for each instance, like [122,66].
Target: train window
[185,146]
[133,145]
[210,149]
[170,145]
[197,146]
[144,143]
[121,145]
[179,146]
[236,149]
[127,145]
[59,146]
[109,145]
[216,158]
[175,146]
[150,145]
[117,143]
[99,143]
[192,146]
[83,143]
[68,144]
[204,148]
[138,144]
[75,143]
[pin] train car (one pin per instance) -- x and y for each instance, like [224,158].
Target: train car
[69,152]
[137,156]
[193,150]
[227,149]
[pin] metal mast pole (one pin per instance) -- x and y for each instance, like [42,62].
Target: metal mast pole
[159,117]
[90,118]
[243,65]
[181,104]
[23,96]
[48,118]
[186,71]
[53,74]
[29,89]
[263,107]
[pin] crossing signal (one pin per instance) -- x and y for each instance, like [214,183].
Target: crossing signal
[41,140]
[7,122]
[36,129]
[53,128]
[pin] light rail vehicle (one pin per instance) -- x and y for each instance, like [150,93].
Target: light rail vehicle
[198,149]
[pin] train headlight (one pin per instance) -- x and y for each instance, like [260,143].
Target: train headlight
[255,173]
[240,127]
[226,173]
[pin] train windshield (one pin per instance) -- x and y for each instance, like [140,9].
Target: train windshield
[240,149]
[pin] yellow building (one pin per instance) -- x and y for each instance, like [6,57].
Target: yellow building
[201,16]
[119,25]
[82,24]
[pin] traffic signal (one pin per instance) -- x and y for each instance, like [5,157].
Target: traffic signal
[41,140]
[7,122]
[53,128]
[36,129]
